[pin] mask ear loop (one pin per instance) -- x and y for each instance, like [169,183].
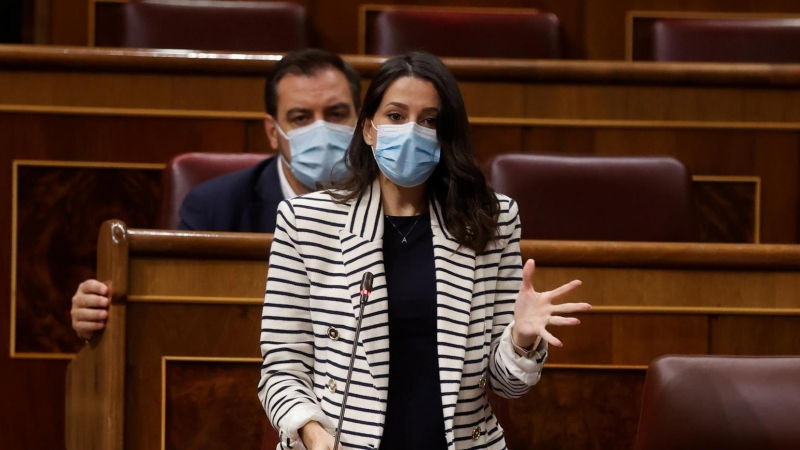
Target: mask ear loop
[372,124]
[280,131]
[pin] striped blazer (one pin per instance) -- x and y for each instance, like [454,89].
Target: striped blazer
[320,251]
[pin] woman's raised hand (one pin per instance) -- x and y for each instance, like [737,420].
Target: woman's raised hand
[534,311]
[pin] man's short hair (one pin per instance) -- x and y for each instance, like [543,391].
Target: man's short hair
[308,62]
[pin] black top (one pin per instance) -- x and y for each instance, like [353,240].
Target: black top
[414,417]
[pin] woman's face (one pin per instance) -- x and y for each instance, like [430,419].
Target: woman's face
[408,99]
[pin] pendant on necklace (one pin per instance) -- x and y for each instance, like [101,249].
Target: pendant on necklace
[404,241]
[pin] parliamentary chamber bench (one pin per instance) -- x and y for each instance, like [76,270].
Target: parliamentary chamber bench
[180,353]
[88,132]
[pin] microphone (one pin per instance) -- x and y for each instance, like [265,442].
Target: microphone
[364,290]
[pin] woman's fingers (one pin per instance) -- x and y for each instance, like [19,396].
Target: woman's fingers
[563,321]
[570,308]
[550,339]
[558,292]
[527,274]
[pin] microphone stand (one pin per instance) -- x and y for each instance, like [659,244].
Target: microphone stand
[366,289]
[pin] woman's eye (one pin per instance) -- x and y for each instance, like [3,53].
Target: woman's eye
[430,122]
[394,117]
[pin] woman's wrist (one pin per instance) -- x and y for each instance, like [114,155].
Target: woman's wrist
[309,432]
[522,341]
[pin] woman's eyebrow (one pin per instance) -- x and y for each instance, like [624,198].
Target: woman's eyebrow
[397,104]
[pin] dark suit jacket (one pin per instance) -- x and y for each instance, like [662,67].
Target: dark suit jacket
[245,201]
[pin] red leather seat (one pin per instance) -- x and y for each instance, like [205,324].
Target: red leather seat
[598,198]
[245,26]
[726,40]
[716,402]
[186,171]
[463,33]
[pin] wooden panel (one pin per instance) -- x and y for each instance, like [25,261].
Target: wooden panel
[578,409]
[728,209]
[257,141]
[33,397]
[675,288]
[60,210]
[186,330]
[630,339]
[193,389]
[755,335]
[96,377]
[69,22]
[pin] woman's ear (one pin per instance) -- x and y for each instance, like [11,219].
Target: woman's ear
[368,131]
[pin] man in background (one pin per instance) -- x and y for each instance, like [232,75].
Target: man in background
[312,99]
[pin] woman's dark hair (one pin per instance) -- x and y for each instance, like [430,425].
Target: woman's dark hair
[469,206]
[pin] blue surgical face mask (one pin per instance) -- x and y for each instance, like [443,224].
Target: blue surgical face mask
[407,154]
[318,152]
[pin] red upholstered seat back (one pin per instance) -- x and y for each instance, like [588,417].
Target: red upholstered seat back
[463,33]
[715,402]
[598,198]
[246,26]
[188,170]
[726,40]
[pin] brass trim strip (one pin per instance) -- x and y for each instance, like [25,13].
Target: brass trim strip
[712,310]
[638,124]
[13,313]
[593,367]
[227,359]
[475,120]
[39,355]
[89,164]
[195,299]
[134,112]
[163,403]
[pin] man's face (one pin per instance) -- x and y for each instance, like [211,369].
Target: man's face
[303,100]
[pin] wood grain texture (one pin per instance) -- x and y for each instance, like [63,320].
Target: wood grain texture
[60,210]
[210,405]
[111,61]
[185,330]
[95,400]
[577,409]
[571,408]
[726,211]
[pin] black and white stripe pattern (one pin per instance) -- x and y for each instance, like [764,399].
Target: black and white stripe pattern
[319,253]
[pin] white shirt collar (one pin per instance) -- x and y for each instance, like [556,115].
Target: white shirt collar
[286,188]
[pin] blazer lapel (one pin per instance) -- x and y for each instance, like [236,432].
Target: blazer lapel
[362,251]
[454,301]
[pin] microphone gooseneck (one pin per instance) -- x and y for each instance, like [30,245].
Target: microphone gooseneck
[364,290]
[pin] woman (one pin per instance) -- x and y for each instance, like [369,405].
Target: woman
[449,286]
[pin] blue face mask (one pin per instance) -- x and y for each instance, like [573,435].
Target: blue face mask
[407,154]
[318,152]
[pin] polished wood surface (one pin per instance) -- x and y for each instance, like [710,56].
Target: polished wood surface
[96,377]
[20,57]
[593,29]
[193,305]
